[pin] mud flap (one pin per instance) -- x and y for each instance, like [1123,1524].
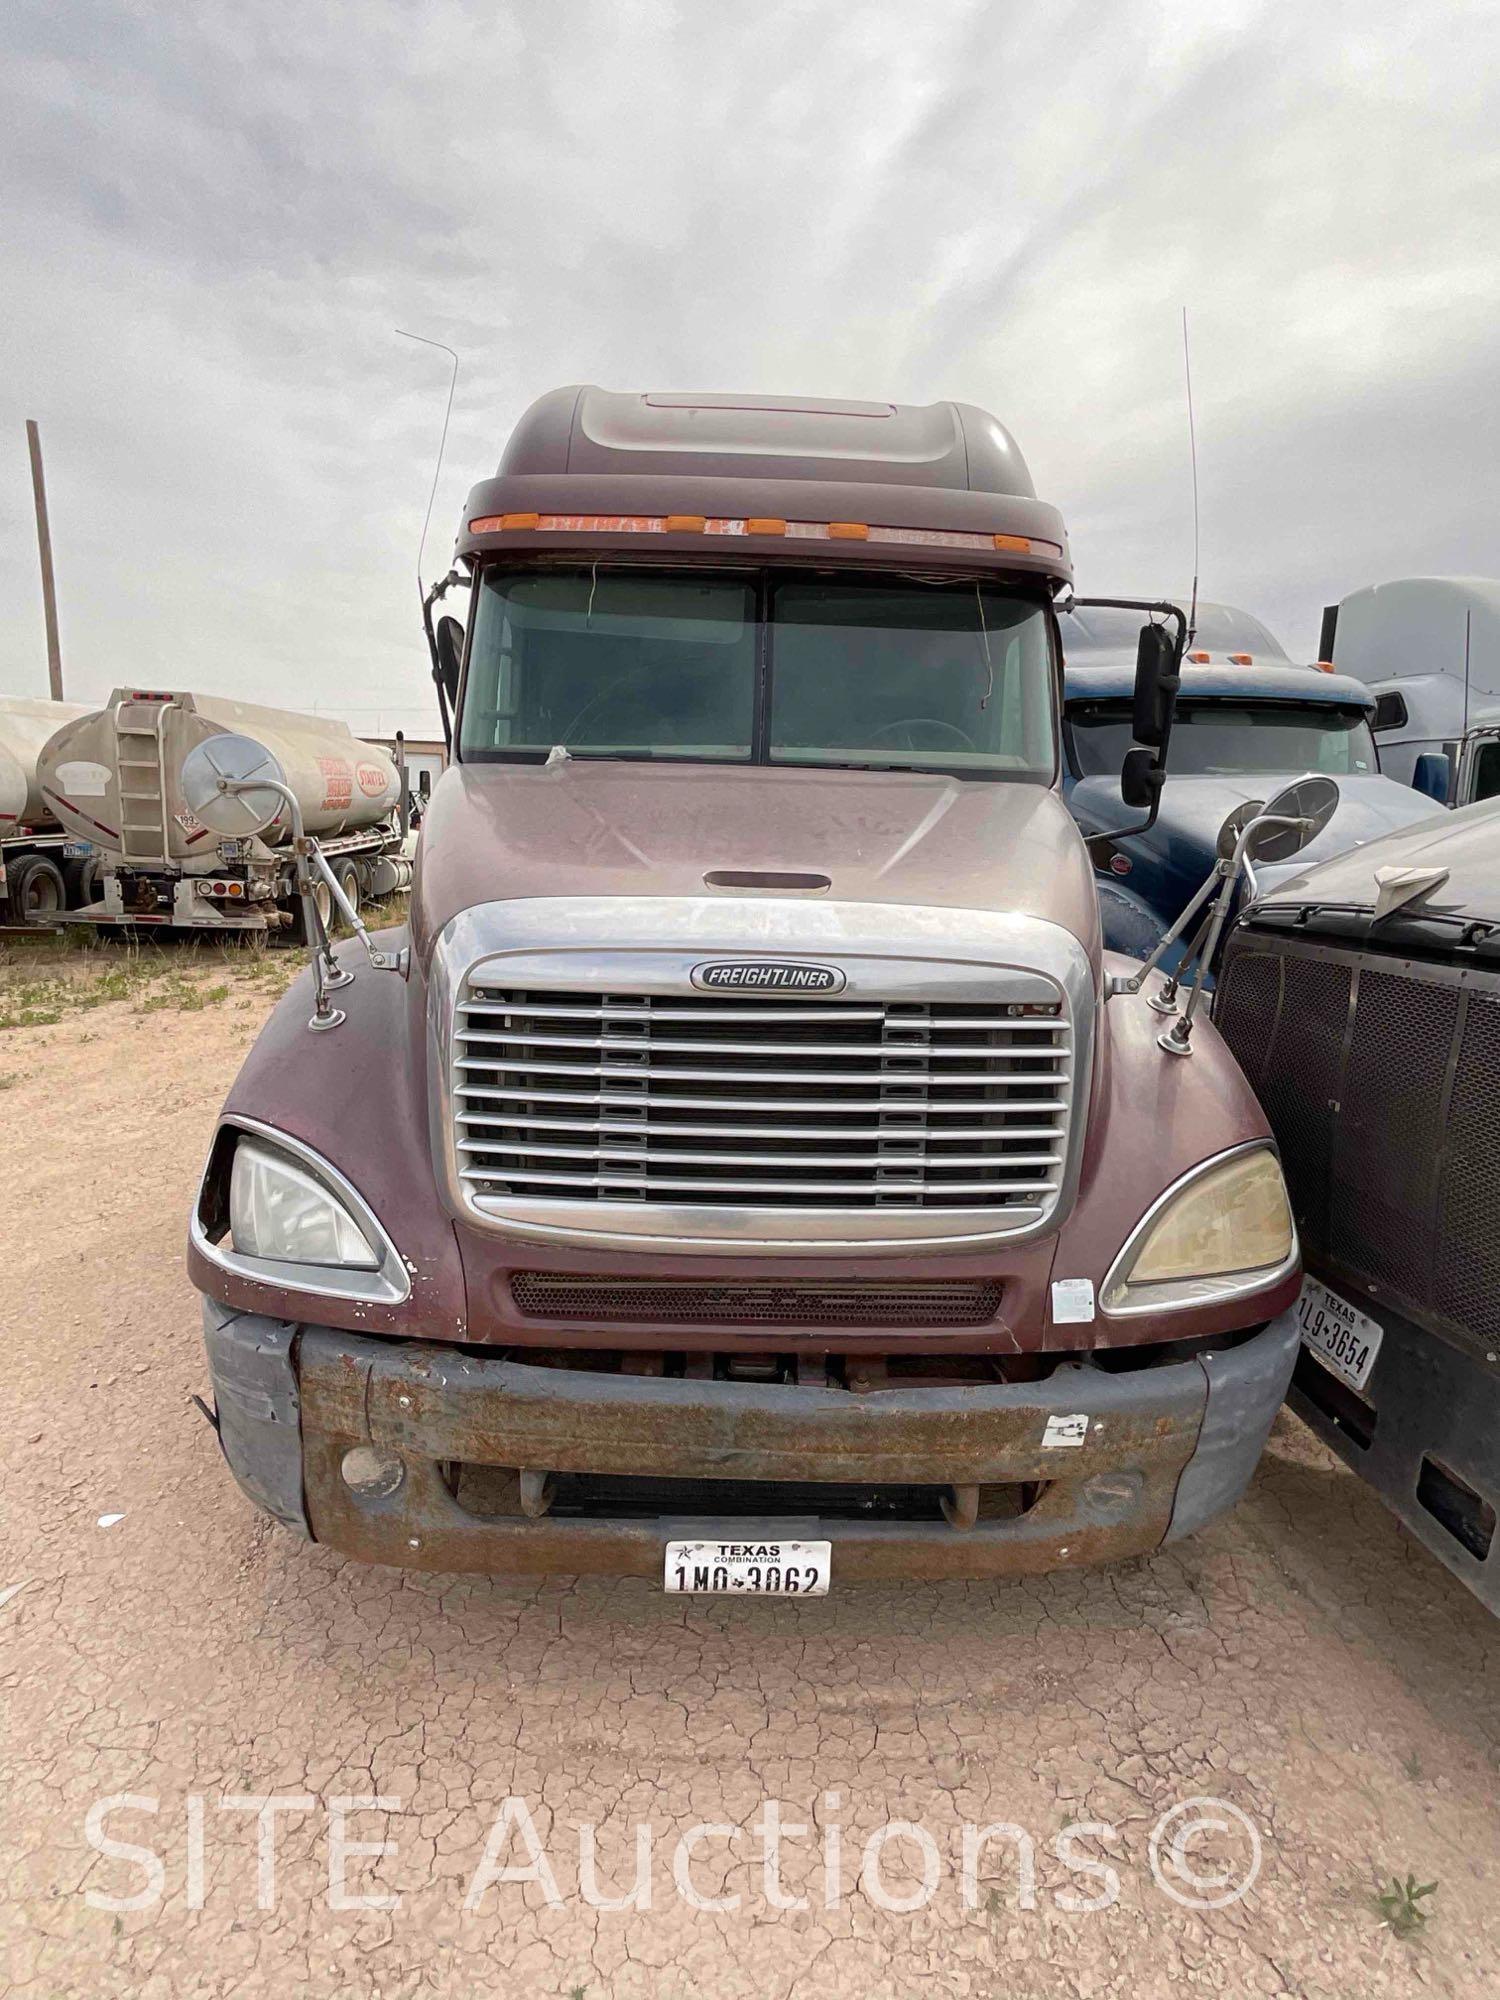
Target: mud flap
[259,1408]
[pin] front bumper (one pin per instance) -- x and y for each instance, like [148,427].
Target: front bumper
[1147,1452]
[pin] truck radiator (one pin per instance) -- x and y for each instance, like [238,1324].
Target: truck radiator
[763,1103]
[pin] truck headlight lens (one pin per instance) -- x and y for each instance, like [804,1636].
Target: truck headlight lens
[277,1210]
[1228,1230]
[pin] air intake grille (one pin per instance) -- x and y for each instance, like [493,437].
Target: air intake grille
[1381,1080]
[732,1101]
[793,1303]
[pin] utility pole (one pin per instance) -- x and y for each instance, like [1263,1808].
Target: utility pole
[44,545]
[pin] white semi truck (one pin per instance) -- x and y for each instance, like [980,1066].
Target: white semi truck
[1428,648]
[112,777]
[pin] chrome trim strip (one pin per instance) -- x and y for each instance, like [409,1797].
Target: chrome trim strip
[1235,1284]
[390,1285]
[603,945]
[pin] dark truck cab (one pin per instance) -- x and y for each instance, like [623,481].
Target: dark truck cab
[1363,998]
[1248,722]
[756,1150]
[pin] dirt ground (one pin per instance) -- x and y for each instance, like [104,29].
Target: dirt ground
[1302,1661]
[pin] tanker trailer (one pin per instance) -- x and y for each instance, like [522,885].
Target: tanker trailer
[43,871]
[114,777]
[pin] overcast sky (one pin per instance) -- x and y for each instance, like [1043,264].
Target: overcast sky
[215,215]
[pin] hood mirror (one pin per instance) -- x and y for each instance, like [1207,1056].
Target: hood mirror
[1234,826]
[1304,808]
[1273,831]
[237,789]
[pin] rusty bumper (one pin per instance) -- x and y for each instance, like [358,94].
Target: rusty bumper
[1112,1462]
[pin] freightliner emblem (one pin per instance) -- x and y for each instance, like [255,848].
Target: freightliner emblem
[767,975]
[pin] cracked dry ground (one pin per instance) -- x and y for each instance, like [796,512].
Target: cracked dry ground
[1302,1660]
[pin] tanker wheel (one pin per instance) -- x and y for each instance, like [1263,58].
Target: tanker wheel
[348,881]
[82,878]
[296,931]
[37,890]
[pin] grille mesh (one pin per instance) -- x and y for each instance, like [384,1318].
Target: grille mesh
[1285,1018]
[1382,1212]
[1396,1181]
[1468,1256]
[763,1103]
[679,1302]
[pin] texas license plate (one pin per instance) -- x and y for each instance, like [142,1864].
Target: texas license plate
[757,1569]
[1343,1338]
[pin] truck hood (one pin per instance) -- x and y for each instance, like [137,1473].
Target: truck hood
[586,828]
[1193,809]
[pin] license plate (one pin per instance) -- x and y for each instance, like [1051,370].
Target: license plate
[1343,1338]
[77,850]
[757,1569]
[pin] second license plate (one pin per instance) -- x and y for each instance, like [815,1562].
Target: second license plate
[1340,1335]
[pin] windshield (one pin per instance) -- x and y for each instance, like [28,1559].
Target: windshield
[742,669]
[1227,739]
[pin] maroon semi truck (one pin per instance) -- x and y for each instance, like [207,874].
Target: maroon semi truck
[757,1171]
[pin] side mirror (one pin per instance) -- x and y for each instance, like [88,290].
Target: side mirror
[1307,805]
[1433,775]
[1156,683]
[449,638]
[1141,779]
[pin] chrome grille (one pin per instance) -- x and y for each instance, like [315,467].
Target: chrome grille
[684,1098]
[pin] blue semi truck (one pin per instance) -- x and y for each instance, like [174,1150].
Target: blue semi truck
[1248,722]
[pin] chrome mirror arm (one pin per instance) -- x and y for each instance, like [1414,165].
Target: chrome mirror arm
[1133,982]
[382,961]
[1177,1039]
[326,971]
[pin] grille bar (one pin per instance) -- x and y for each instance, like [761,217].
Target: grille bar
[662,1044]
[608,1127]
[759,1014]
[723,1073]
[625,1149]
[624,1178]
[615,1099]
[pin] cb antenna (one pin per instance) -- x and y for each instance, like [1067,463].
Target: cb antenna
[1187,374]
[437,470]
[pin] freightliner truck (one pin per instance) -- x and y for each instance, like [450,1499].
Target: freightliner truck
[751,1171]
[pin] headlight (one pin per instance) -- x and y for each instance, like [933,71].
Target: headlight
[1227,1230]
[278,1211]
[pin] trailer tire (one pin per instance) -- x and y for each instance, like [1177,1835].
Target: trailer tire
[296,931]
[37,890]
[347,874]
[82,878]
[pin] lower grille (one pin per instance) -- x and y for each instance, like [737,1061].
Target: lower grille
[686,1098]
[491,1493]
[680,1302]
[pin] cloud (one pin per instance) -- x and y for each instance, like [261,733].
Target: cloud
[216,217]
